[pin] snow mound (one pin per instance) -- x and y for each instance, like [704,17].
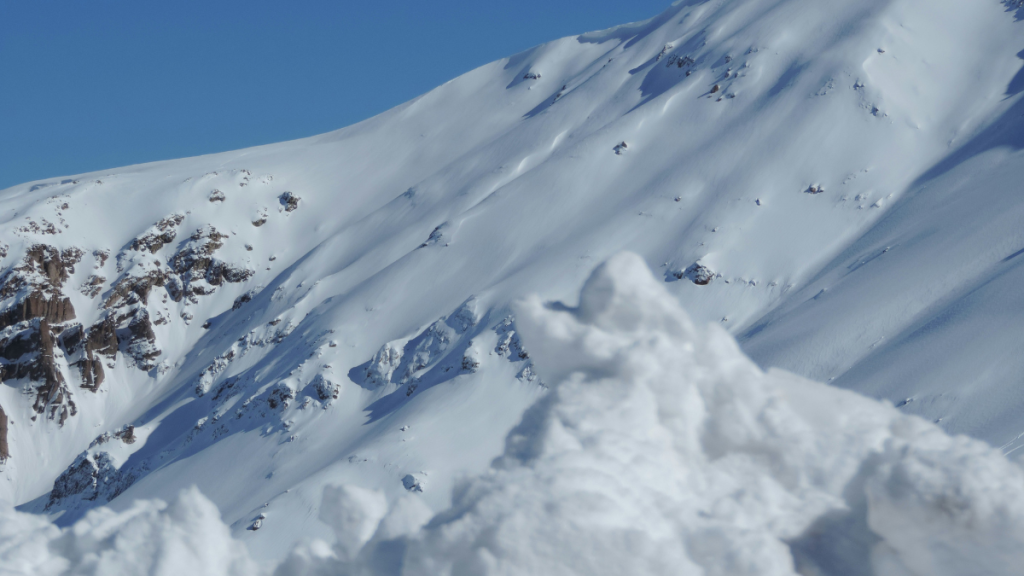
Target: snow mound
[660,449]
[151,537]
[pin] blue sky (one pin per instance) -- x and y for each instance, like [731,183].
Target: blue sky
[90,85]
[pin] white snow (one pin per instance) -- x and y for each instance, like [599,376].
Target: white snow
[660,449]
[849,214]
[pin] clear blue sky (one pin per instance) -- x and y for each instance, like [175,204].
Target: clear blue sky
[95,84]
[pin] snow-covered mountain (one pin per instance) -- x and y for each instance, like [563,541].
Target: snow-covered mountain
[837,184]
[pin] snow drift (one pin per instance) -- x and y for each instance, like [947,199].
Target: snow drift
[659,449]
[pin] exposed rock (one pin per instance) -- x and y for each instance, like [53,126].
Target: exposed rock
[509,345]
[53,397]
[325,389]
[162,233]
[697,273]
[679,61]
[135,289]
[198,270]
[55,309]
[242,300]
[101,257]
[142,341]
[280,395]
[93,286]
[210,373]
[100,340]
[126,434]
[91,477]
[289,201]
[33,227]
[435,236]
[470,363]
[217,196]
[37,286]
[27,351]
[414,482]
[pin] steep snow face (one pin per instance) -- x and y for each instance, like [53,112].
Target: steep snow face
[923,309]
[660,449]
[337,309]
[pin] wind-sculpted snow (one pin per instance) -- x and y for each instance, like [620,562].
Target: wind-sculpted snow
[660,449]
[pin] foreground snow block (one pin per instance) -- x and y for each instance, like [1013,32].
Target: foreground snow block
[185,537]
[662,449]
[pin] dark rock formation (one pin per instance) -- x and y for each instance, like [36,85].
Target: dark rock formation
[30,328]
[135,289]
[142,341]
[90,477]
[280,395]
[37,284]
[198,270]
[697,273]
[163,232]
[126,434]
[93,286]
[86,348]
[325,389]
[289,201]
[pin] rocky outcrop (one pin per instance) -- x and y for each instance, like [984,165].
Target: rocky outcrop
[135,289]
[290,201]
[142,341]
[93,286]
[91,477]
[326,390]
[198,271]
[280,395]
[55,309]
[31,327]
[37,286]
[126,434]
[697,273]
[27,351]
[86,350]
[162,233]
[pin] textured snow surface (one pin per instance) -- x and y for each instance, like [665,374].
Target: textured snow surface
[834,183]
[660,449]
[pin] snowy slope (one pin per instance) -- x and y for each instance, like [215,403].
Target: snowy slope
[660,449]
[924,308]
[337,309]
